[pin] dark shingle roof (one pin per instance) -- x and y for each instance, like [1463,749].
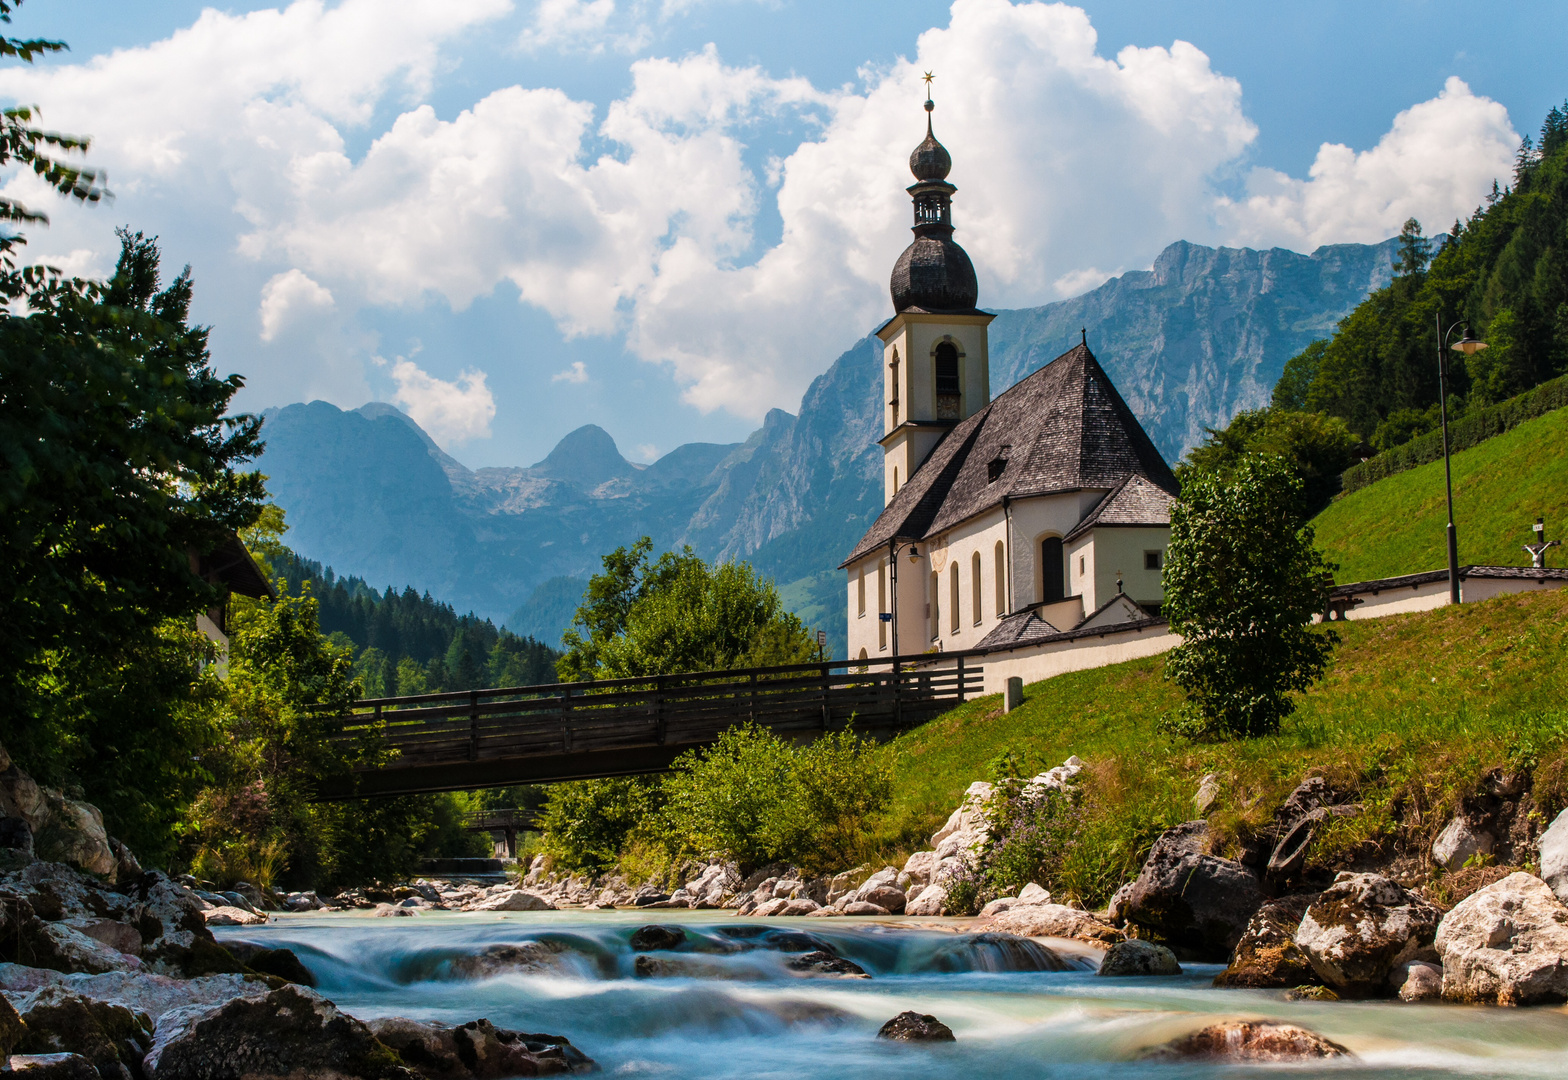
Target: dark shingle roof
[1412,581]
[1064,428]
[1134,502]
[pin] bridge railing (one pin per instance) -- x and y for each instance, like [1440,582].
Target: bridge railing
[615,726]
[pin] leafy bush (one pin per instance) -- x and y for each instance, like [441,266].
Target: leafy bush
[588,823]
[1242,580]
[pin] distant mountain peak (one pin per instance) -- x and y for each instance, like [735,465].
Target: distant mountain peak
[587,456]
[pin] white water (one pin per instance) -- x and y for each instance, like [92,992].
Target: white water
[752,1018]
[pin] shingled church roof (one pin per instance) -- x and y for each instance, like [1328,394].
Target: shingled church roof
[1064,428]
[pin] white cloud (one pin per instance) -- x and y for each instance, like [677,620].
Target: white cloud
[640,219]
[569,22]
[1434,164]
[287,297]
[577,373]
[647,452]
[450,412]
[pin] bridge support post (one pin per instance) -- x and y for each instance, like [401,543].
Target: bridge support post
[473,725]
[511,841]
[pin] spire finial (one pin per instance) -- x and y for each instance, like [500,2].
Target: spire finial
[928,77]
[1085,332]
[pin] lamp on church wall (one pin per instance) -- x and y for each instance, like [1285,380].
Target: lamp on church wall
[894,550]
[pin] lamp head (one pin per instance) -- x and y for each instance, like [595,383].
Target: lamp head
[914,553]
[1468,345]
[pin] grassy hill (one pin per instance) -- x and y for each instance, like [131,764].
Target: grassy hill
[1413,713]
[1396,526]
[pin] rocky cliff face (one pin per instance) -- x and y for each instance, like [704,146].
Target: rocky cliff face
[1203,334]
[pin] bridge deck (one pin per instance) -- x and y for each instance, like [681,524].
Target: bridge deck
[619,727]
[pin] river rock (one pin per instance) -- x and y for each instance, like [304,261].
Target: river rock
[523,957]
[862,907]
[1361,928]
[1249,1040]
[1553,847]
[282,964]
[11,1029]
[140,991]
[656,938]
[291,1032]
[800,906]
[1136,957]
[1458,842]
[916,1027]
[174,931]
[1208,794]
[1267,955]
[1421,981]
[929,901]
[50,1067]
[888,897]
[820,962]
[478,1050]
[970,815]
[1192,899]
[112,1038]
[1053,780]
[920,866]
[233,916]
[1052,920]
[716,884]
[515,900]
[1506,944]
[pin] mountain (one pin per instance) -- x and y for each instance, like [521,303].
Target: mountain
[1202,334]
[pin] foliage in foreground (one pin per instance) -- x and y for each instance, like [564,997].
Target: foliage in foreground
[751,798]
[1242,581]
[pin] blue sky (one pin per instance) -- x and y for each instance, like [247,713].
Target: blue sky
[512,218]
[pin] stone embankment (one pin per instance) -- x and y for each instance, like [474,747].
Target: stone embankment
[109,972]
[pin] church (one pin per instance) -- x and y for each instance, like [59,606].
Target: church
[1035,518]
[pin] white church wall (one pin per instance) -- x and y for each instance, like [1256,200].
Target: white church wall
[958,547]
[1121,550]
[1032,521]
[1037,662]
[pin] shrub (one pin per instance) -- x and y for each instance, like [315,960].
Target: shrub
[587,823]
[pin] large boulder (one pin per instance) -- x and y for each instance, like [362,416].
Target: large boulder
[11,1029]
[50,1067]
[928,901]
[477,1050]
[1267,955]
[175,938]
[111,1037]
[1051,920]
[1459,842]
[291,1032]
[515,900]
[1135,957]
[1249,1040]
[1361,928]
[916,1027]
[139,991]
[63,830]
[1506,944]
[1554,855]
[1190,899]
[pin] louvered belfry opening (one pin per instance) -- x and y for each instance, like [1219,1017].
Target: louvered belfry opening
[949,393]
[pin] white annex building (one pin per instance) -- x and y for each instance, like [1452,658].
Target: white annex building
[1027,519]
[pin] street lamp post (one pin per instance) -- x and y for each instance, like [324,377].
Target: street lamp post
[894,550]
[1469,346]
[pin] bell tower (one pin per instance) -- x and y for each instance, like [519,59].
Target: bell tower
[935,367]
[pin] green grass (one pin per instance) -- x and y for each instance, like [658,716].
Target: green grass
[1412,715]
[1396,526]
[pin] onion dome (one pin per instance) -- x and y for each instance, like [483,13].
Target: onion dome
[933,273]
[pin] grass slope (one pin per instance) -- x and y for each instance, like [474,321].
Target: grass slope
[1413,713]
[1396,526]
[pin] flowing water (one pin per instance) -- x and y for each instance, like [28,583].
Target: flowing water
[737,1010]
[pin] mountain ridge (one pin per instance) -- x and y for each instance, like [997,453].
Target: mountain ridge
[1203,333]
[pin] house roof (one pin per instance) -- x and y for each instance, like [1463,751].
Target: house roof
[1027,628]
[1412,581]
[232,567]
[1132,503]
[1064,428]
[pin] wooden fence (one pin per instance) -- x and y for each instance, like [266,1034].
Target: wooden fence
[619,727]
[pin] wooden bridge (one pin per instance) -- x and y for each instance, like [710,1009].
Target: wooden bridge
[620,727]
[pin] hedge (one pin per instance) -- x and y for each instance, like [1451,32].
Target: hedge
[1474,427]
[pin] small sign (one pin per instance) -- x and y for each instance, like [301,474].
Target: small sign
[885,616]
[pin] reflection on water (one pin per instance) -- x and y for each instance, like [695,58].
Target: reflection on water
[728,1004]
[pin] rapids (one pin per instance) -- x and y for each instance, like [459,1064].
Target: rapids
[736,1009]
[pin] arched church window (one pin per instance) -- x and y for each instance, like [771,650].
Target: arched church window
[860,587]
[949,392]
[952,586]
[977,593]
[1001,580]
[1052,586]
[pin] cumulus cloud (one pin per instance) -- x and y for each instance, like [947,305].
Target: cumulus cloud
[1433,165]
[576,22]
[577,373]
[640,219]
[450,412]
[287,297]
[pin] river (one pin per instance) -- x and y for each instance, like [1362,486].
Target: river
[743,1014]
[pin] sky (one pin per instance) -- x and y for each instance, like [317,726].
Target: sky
[514,217]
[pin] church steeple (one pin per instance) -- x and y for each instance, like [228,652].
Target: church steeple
[934,274]
[937,372]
